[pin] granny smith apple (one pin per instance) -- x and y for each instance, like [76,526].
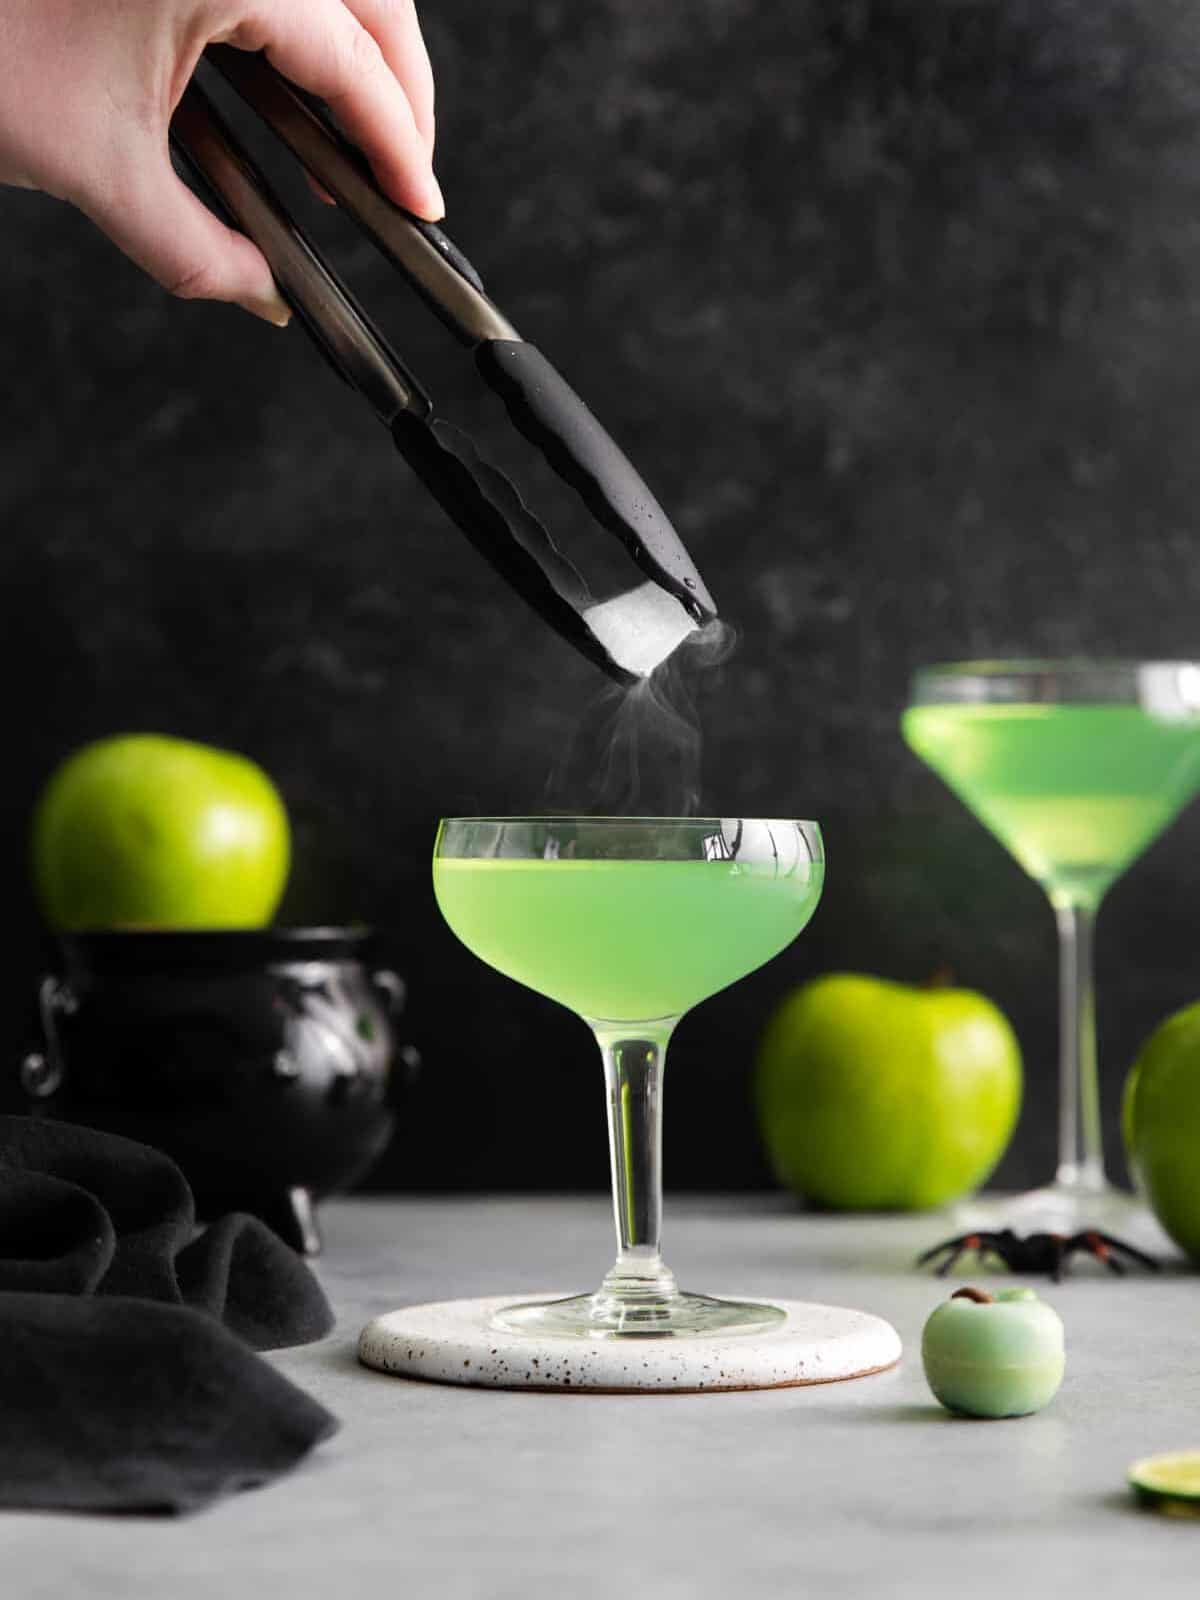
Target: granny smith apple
[875,1095]
[1161,1123]
[141,830]
[994,1357]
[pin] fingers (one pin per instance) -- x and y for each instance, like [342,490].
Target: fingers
[394,24]
[162,226]
[367,60]
[324,48]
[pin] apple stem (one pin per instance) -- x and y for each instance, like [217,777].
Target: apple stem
[940,978]
[980,1296]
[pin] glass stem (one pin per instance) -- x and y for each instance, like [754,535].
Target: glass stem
[1080,1140]
[633,1073]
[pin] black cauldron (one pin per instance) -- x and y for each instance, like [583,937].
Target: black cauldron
[261,1061]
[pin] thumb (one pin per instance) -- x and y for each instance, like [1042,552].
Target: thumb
[151,215]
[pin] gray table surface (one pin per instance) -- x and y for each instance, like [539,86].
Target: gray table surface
[858,1488]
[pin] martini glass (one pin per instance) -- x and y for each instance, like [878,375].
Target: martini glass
[1075,766]
[629,922]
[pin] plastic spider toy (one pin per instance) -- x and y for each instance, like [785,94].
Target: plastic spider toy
[1039,1252]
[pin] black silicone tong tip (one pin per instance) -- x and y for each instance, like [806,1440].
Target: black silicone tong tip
[487,508]
[544,407]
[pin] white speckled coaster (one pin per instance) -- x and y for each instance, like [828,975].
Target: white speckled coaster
[453,1342]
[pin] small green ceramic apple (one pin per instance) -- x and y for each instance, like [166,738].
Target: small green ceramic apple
[994,1357]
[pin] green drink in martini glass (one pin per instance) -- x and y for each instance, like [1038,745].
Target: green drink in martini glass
[1075,766]
[630,922]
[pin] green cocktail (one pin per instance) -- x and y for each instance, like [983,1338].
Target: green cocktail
[1074,791]
[625,941]
[630,922]
[1075,766]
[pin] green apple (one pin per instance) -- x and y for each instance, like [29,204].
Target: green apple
[878,1096]
[1161,1122]
[994,1357]
[141,830]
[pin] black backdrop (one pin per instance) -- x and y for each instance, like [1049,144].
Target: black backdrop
[896,302]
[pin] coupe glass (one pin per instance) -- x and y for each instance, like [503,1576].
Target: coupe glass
[629,922]
[1075,766]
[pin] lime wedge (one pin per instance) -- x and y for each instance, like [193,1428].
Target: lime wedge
[1171,1483]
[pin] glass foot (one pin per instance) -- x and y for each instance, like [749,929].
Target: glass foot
[606,1316]
[1056,1208]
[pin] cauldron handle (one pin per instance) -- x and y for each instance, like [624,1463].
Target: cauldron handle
[42,1071]
[292,1214]
[392,987]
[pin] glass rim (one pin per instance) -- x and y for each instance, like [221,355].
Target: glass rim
[576,838]
[1169,689]
[674,822]
[1034,666]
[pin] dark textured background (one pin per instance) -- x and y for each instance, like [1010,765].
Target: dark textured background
[897,301]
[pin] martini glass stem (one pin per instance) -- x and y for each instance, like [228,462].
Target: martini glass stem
[633,1072]
[1080,1141]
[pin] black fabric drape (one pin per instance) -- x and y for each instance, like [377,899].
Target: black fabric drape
[127,1377]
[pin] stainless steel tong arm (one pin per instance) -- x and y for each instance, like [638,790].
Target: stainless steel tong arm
[338,325]
[432,262]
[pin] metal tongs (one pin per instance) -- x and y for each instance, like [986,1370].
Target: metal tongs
[626,634]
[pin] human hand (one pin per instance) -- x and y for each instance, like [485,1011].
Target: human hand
[87,89]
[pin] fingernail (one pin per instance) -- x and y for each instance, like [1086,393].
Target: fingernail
[434,205]
[272,308]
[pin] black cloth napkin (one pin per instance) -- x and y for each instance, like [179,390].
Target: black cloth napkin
[127,1381]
